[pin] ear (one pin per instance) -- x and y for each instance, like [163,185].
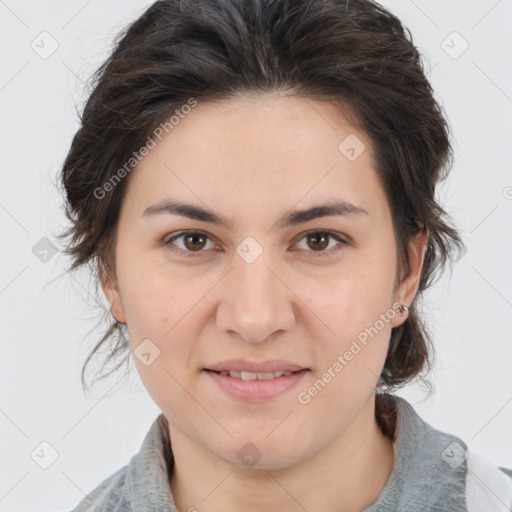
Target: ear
[407,289]
[111,291]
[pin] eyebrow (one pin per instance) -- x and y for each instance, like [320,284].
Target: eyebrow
[292,218]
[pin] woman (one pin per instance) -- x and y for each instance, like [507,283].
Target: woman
[254,183]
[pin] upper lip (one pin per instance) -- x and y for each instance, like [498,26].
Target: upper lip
[241,365]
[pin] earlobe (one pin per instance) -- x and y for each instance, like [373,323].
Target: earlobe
[409,286]
[111,292]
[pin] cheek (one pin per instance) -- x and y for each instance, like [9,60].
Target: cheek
[351,360]
[162,324]
[167,309]
[355,310]
[353,300]
[155,299]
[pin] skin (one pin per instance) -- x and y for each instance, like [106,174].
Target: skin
[253,159]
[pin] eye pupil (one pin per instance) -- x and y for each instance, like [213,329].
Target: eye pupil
[193,237]
[318,236]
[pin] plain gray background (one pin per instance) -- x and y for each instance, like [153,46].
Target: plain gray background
[47,314]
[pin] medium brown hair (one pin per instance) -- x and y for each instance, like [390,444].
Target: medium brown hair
[353,53]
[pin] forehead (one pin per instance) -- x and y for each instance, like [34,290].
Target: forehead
[257,151]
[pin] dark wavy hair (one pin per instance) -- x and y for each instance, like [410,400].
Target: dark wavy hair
[353,53]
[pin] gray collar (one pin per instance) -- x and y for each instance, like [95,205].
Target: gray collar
[429,472]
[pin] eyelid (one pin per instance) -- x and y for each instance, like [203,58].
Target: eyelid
[332,234]
[325,253]
[169,239]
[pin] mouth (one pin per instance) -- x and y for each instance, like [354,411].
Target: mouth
[252,367]
[251,382]
[253,375]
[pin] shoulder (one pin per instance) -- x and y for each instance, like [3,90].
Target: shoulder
[488,487]
[143,484]
[437,471]
[108,496]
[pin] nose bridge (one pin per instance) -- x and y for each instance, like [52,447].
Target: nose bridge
[256,303]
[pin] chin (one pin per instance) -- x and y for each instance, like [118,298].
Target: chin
[254,450]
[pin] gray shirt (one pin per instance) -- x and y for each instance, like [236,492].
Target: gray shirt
[433,471]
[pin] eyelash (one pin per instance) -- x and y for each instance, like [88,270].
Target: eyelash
[320,254]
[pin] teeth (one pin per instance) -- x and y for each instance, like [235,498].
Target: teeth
[255,375]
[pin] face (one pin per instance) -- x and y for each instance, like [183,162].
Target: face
[270,290]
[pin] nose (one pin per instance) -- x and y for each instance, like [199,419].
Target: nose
[255,302]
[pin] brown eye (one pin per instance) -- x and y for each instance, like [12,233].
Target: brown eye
[318,240]
[194,241]
[319,243]
[191,242]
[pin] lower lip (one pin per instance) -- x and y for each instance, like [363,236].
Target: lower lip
[256,390]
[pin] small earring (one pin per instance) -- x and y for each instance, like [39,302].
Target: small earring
[402,308]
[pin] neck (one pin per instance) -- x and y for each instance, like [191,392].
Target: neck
[348,474]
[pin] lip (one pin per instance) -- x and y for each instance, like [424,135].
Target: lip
[242,365]
[256,390]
